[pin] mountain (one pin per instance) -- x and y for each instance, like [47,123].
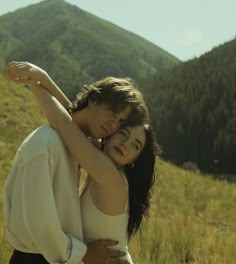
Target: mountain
[76,47]
[195,110]
[192,104]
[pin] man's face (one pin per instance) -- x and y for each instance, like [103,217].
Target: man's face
[102,121]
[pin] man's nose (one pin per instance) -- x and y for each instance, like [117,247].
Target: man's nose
[114,124]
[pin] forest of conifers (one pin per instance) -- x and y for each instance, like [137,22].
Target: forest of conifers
[193,107]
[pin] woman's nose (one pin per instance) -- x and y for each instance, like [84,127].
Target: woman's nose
[124,144]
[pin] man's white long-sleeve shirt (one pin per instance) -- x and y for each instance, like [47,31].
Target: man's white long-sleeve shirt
[41,200]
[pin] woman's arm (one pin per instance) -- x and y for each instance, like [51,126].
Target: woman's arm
[96,163]
[27,73]
[99,166]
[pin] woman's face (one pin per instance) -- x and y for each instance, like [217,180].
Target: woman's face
[125,145]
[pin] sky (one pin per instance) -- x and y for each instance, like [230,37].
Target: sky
[185,28]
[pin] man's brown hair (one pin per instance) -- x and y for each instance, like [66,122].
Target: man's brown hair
[118,93]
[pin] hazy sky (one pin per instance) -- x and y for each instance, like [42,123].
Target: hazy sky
[185,28]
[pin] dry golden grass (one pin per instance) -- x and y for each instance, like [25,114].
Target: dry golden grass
[192,220]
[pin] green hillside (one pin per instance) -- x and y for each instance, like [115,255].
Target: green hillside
[195,110]
[192,217]
[76,47]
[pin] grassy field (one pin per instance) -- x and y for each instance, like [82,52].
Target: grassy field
[192,220]
[192,217]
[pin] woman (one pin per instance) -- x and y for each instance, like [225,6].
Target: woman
[126,165]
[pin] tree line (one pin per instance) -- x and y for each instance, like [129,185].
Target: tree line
[193,110]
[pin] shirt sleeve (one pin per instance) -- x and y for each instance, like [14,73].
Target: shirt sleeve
[40,214]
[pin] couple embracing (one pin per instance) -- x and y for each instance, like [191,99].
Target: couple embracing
[49,216]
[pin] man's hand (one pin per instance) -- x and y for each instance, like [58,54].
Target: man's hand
[26,73]
[99,252]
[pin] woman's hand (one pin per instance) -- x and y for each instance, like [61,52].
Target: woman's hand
[25,73]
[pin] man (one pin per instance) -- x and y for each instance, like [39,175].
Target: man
[41,205]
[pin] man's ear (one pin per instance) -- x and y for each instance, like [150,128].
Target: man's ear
[91,103]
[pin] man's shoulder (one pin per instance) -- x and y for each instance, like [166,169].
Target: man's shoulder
[42,138]
[46,133]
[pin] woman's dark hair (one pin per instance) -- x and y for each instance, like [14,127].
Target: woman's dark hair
[140,180]
[118,93]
